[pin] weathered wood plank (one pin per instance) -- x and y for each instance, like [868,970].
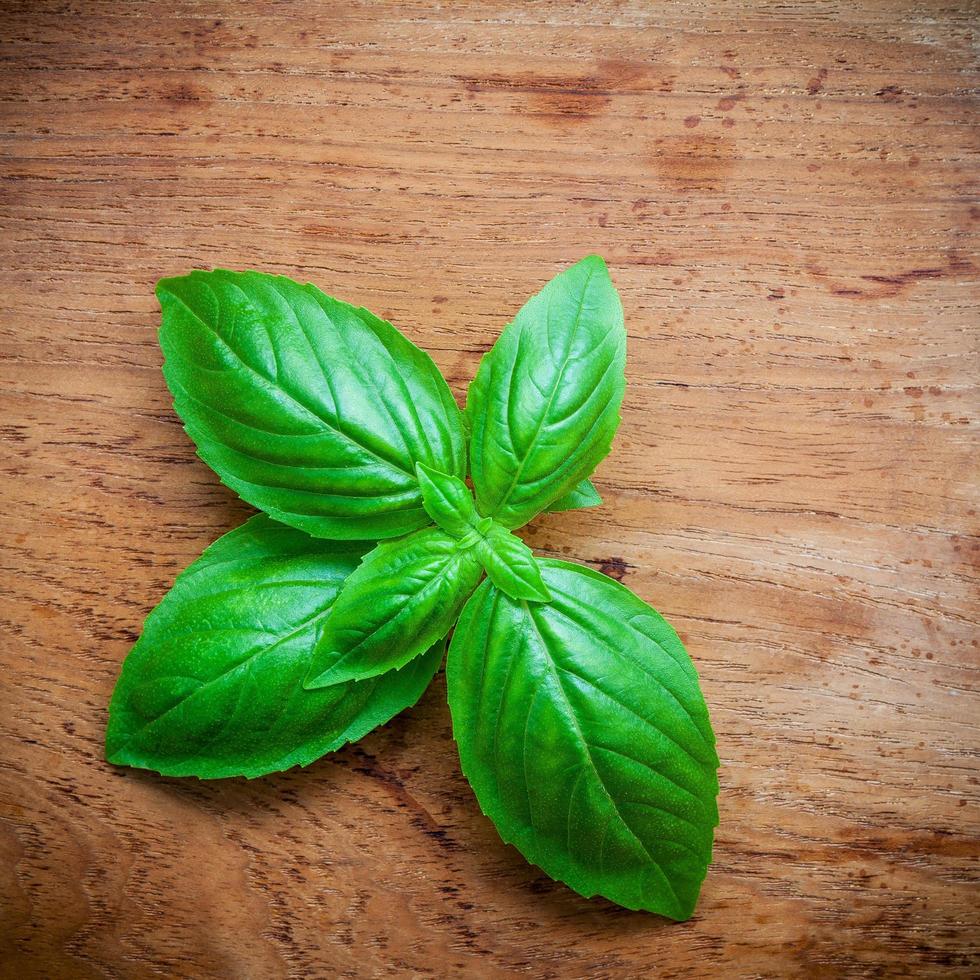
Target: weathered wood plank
[786,194]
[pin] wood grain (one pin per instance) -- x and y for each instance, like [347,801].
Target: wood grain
[786,195]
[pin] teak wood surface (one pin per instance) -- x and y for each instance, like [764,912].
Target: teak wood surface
[785,194]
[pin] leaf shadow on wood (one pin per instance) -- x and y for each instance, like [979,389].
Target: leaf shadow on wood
[464,844]
[240,795]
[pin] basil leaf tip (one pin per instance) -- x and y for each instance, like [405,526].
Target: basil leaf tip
[386,524]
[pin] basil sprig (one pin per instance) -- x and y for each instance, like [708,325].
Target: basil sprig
[577,712]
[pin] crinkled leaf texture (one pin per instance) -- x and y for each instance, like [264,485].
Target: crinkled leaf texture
[214,686]
[583,732]
[544,405]
[312,410]
[404,597]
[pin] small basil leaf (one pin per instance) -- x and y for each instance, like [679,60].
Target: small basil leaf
[544,405]
[214,686]
[511,566]
[583,494]
[582,730]
[404,597]
[447,500]
[311,409]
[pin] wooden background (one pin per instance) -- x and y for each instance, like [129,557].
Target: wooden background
[785,193]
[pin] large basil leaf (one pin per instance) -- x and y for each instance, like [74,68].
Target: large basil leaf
[583,494]
[544,405]
[214,686]
[311,409]
[403,598]
[584,734]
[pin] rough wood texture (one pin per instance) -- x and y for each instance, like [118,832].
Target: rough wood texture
[785,194]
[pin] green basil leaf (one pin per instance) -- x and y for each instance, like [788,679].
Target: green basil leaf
[583,494]
[404,597]
[544,405]
[311,409]
[447,500]
[511,565]
[214,686]
[583,732]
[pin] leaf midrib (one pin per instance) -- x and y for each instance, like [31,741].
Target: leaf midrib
[554,391]
[570,713]
[246,662]
[438,576]
[278,387]
[671,694]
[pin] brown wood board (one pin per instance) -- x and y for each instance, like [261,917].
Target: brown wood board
[786,196]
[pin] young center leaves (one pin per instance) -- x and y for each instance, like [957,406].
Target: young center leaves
[405,595]
[577,713]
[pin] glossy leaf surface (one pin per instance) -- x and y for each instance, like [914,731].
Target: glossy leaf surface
[511,565]
[447,500]
[583,731]
[311,409]
[214,686]
[584,494]
[403,598]
[544,405]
